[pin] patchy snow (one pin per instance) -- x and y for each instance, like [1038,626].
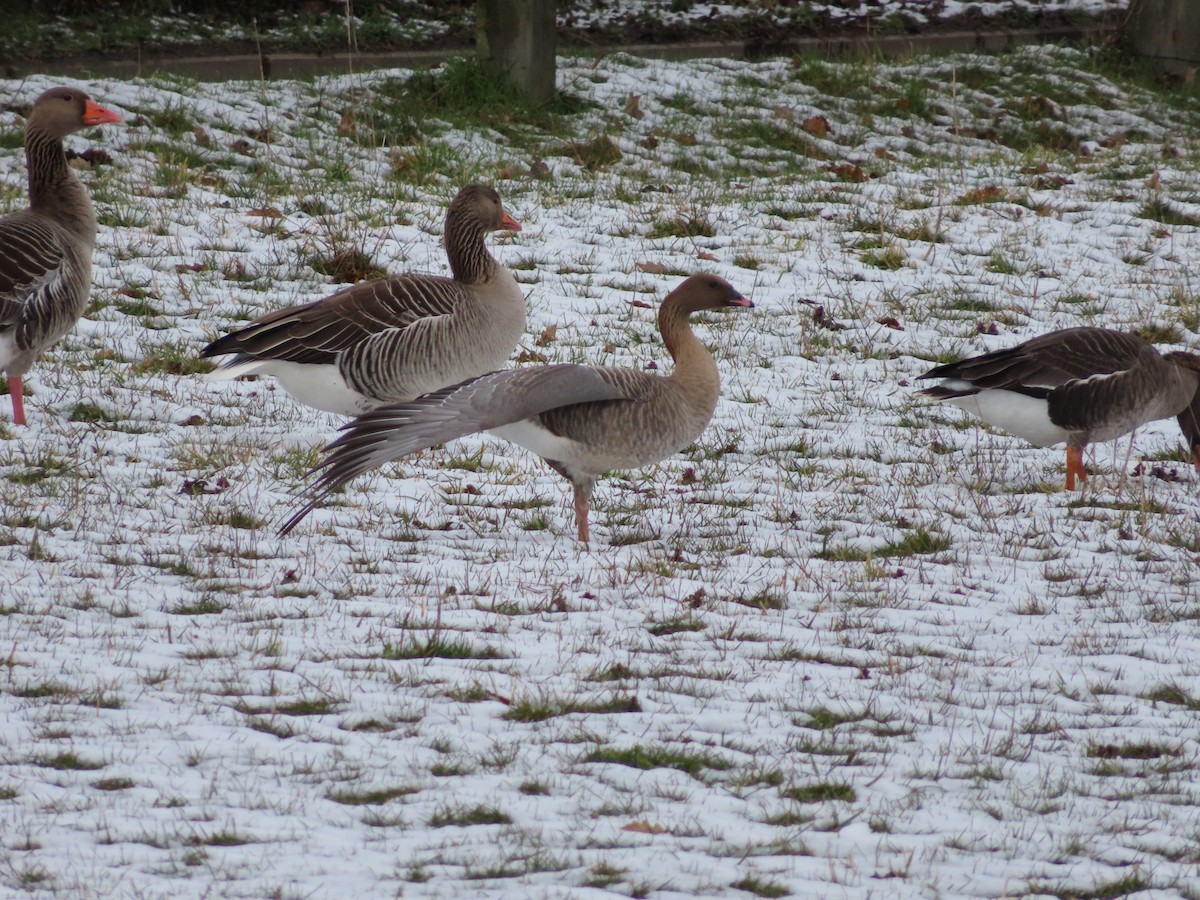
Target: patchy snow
[866,647]
[599,13]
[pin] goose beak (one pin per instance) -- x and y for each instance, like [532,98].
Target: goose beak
[508,223]
[739,300]
[95,114]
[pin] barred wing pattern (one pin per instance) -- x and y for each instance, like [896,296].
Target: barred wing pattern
[317,332]
[31,259]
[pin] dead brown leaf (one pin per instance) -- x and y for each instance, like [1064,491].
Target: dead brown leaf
[849,172]
[818,126]
[643,826]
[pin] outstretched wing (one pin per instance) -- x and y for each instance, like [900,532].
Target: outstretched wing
[499,398]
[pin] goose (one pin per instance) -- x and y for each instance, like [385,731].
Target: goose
[1077,385]
[583,421]
[46,249]
[394,338]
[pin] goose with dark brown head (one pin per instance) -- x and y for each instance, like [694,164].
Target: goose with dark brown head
[1077,386]
[583,421]
[46,249]
[398,337]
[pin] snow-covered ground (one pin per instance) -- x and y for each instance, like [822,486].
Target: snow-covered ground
[848,645]
[600,13]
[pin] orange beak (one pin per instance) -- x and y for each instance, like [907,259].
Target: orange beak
[509,223]
[95,114]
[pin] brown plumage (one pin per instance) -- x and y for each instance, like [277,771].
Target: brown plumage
[46,250]
[1078,385]
[397,337]
[583,421]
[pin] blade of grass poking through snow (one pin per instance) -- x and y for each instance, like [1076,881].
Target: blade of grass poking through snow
[844,643]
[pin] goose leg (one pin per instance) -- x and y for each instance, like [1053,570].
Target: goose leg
[16,391]
[1075,467]
[581,513]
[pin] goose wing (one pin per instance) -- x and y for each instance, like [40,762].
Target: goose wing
[490,401]
[1045,364]
[317,332]
[31,256]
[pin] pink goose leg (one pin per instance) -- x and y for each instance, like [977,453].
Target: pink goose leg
[16,390]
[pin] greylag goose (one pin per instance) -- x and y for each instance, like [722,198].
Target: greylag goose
[398,337]
[582,421]
[1078,385]
[46,250]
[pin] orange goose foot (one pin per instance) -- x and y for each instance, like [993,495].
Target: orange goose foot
[1075,467]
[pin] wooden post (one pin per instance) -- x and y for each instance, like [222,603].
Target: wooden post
[517,37]
[1167,31]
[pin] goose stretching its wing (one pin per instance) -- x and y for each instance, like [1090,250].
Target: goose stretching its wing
[583,421]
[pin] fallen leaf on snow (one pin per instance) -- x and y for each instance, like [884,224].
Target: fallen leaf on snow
[642,826]
[817,126]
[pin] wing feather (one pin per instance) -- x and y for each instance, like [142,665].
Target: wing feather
[317,332]
[490,401]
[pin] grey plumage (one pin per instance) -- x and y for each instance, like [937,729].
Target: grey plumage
[397,337]
[46,250]
[1078,386]
[582,420]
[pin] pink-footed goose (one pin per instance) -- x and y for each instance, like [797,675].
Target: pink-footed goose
[1077,385]
[397,337]
[583,421]
[46,250]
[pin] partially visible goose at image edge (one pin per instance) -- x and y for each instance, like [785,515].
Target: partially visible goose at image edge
[1078,385]
[46,249]
[582,420]
[397,337]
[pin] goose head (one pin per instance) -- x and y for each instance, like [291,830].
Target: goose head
[477,207]
[702,292]
[61,111]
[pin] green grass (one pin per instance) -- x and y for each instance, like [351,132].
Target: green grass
[820,792]
[69,761]
[692,762]
[440,647]
[466,816]
[370,797]
[542,707]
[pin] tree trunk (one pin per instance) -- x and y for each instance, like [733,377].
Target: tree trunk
[517,37]
[1167,31]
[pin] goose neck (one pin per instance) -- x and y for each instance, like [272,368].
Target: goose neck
[469,259]
[48,170]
